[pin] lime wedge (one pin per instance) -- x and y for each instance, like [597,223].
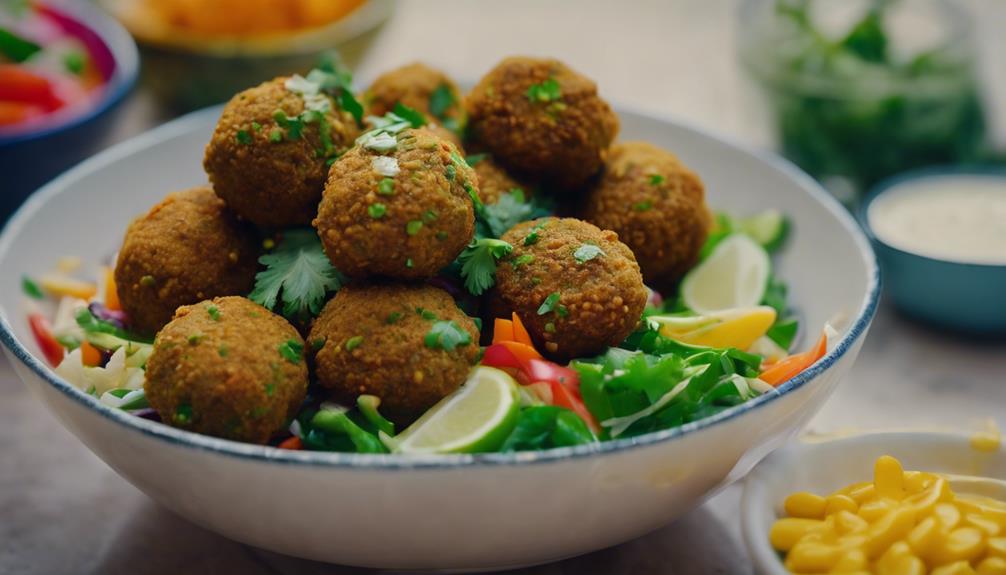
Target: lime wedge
[767,228]
[478,417]
[734,275]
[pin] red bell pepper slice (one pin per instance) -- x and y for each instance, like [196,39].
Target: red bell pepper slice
[51,349]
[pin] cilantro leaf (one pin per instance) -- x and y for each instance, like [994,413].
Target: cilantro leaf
[446,335]
[297,272]
[31,289]
[478,263]
[473,159]
[441,100]
[546,91]
[349,103]
[549,304]
[292,351]
[415,118]
[587,252]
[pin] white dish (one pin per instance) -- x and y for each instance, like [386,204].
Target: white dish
[460,512]
[824,465]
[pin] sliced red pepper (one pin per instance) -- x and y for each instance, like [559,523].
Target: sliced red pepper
[564,397]
[51,349]
[541,370]
[291,443]
[20,85]
[499,356]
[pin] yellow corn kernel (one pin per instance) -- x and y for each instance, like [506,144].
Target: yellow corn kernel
[847,522]
[811,557]
[955,568]
[986,524]
[990,508]
[916,481]
[992,566]
[996,547]
[923,502]
[890,528]
[889,477]
[925,537]
[962,544]
[877,508]
[805,505]
[903,565]
[836,503]
[863,493]
[786,532]
[948,515]
[851,560]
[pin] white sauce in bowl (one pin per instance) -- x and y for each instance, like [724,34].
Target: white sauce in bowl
[958,218]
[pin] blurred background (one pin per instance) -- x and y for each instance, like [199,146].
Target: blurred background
[853,91]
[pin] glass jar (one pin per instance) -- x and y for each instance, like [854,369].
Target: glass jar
[861,90]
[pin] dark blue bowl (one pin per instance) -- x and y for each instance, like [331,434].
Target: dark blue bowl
[32,158]
[968,298]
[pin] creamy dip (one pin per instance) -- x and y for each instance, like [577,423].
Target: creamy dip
[960,218]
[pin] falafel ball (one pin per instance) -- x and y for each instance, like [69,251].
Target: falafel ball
[408,344]
[227,367]
[268,161]
[421,88]
[405,212]
[656,205]
[576,288]
[187,248]
[542,120]
[494,181]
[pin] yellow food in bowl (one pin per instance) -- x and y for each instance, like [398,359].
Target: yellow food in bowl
[236,18]
[901,523]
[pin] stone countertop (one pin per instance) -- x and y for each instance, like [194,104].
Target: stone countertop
[63,511]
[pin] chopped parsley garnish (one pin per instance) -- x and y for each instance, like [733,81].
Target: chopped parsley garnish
[292,351]
[587,252]
[426,314]
[412,228]
[532,237]
[30,288]
[294,126]
[256,126]
[451,173]
[550,303]
[656,179]
[75,61]
[473,159]
[643,206]
[377,211]
[441,235]
[546,91]
[222,351]
[195,338]
[510,210]
[214,312]
[243,137]
[349,103]
[393,317]
[562,311]
[549,327]
[446,335]
[441,100]
[523,259]
[183,413]
[276,135]
[147,281]
[478,263]
[354,342]
[299,273]
[317,343]
[415,118]
[408,263]
[386,187]
[429,216]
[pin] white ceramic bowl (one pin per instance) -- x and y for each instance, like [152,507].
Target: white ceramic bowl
[461,512]
[824,465]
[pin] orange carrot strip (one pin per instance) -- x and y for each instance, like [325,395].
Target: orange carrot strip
[111,293]
[89,355]
[520,334]
[522,352]
[502,330]
[291,443]
[787,368]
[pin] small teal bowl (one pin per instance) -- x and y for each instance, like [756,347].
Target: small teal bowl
[968,298]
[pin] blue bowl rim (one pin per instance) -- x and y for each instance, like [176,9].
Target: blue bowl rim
[887,184]
[367,462]
[127,70]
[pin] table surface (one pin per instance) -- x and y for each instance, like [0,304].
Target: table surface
[63,511]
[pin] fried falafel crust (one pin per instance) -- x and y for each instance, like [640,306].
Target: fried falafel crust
[227,367]
[187,248]
[600,289]
[370,340]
